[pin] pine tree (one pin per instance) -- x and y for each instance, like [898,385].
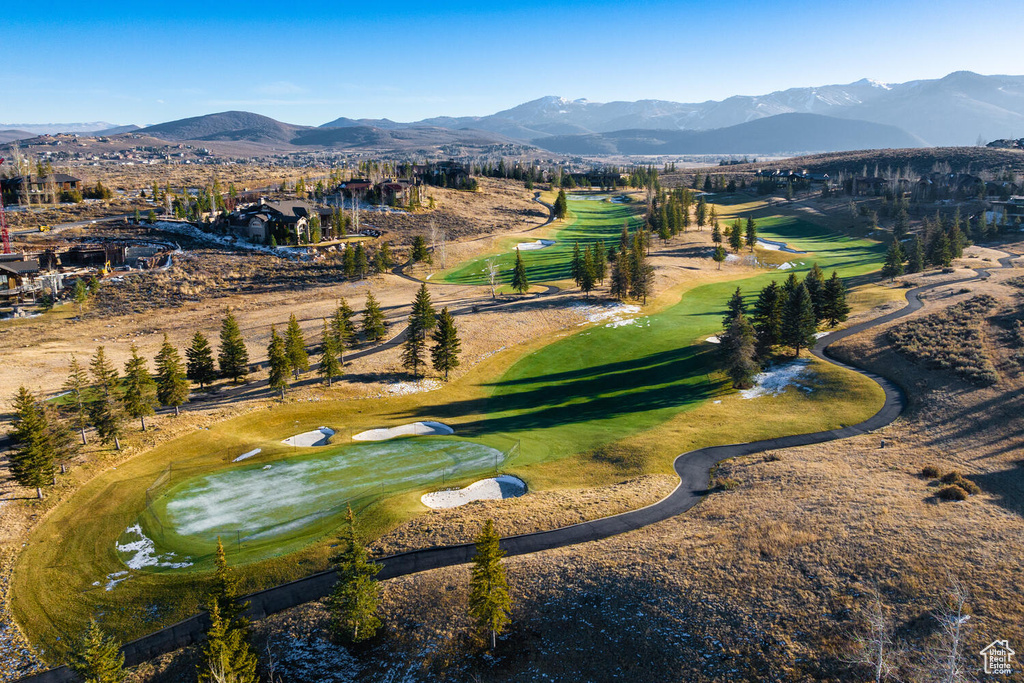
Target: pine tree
[233,356]
[423,311]
[171,385]
[576,264]
[75,385]
[413,346]
[445,353]
[224,593]
[940,253]
[767,318]
[103,372]
[199,361]
[374,324]
[716,234]
[97,657]
[740,353]
[719,255]
[329,366]
[835,309]
[348,261]
[356,597]
[561,207]
[33,460]
[489,600]
[277,356]
[419,250]
[362,264]
[295,346]
[734,308]
[957,240]
[79,294]
[587,278]
[343,329]
[893,266]
[139,388]
[702,213]
[815,283]
[520,282]
[798,322]
[226,657]
[600,262]
[736,236]
[916,257]
[900,225]
[751,233]
[622,277]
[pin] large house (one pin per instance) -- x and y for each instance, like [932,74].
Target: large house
[26,187]
[259,221]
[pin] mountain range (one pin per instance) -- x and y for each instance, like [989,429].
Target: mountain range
[957,109]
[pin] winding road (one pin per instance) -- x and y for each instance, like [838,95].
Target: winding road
[693,468]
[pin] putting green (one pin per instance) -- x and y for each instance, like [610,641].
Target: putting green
[262,510]
[592,221]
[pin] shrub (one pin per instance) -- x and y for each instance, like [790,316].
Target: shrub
[950,340]
[772,457]
[931,472]
[954,478]
[726,483]
[953,492]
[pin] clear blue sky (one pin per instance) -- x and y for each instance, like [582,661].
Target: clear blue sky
[312,62]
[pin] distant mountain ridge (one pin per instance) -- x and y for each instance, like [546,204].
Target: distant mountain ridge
[953,110]
[94,128]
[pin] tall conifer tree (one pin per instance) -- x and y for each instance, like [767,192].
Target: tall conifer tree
[489,601]
[200,367]
[232,356]
[171,385]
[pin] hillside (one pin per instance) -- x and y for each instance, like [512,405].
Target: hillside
[371,137]
[10,135]
[226,126]
[785,133]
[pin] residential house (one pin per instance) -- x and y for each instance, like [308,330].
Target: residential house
[29,187]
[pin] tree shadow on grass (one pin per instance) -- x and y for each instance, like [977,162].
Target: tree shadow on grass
[1006,485]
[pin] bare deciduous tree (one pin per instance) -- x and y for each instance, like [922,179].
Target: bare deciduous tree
[875,648]
[492,275]
[945,661]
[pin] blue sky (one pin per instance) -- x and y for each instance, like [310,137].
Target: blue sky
[310,63]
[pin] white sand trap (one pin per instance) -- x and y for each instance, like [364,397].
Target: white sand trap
[246,456]
[317,437]
[495,488]
[776,378]
[535,245]
[412,429]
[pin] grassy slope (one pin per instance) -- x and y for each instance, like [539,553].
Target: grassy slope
[571,402]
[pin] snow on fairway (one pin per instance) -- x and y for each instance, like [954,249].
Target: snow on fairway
[296,492]
[776,378]
[535,245]
[412,429]
[403,388]
[495,488]
[600,312]
[246,456]
[143,553]
[772,245]
[713,340]
[317,437]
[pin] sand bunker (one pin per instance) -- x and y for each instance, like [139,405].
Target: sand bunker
[534,246]
[495,488]
[411,429]
[317,437]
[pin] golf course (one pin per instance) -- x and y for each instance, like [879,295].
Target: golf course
[599,402]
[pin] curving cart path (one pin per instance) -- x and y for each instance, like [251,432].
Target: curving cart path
[693,468]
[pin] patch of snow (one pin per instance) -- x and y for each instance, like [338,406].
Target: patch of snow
[786,266]
[403,388]
[114,579]
[614,313]
[730,258]
[535,245]
[774,380]
[246,456]
[317,437]
[267,467]
[772,245]
[494,488]
[309,658]
[143,553]
[426,428]
[713,340]
[819,335]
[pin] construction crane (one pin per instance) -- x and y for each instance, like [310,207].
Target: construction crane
[5,234]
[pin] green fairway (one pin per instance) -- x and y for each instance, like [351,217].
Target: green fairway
[263,510]
[592,220]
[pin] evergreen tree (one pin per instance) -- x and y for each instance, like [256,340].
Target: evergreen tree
[423,311]
[348,261]
[329,365]
[33,460]
[622,277]
[600,262]
[445,353]
[295,347]
[489,600]
[734,309]
[199,361]
[587,277]
[419,250]
[916,257]
[642,273]
[374,324]
[362,264]
[561,207]
[139,388]
[739,351]
[893,266]
[520,282]
[702,213]
[716,234]
[75,386]
[815,283]
[343,329]
[356,597]
[790,285]
[226,657]
[103,372]
[97,657]
[835,309]
[940,252]
[79,294]
[767,318]
[736,236]
[171,385]
[576,264]
[233,356]
[957,240]
[798,322]
[901,225]
[413,346]
[719,255]
[277,356]
[751,233]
